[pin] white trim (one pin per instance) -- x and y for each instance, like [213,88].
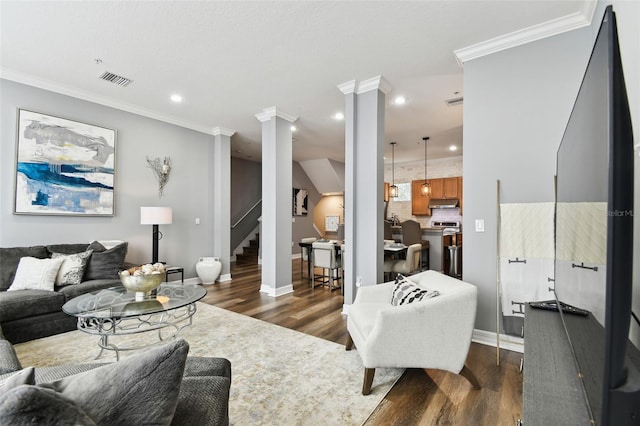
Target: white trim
[30,80]
[345,309]
[526,35]
[507,342]
[217,131]
[275,292]
[375,83]
[194,280]
[347,87]
[317,230]
[223,278]
[296,256]
[268,113]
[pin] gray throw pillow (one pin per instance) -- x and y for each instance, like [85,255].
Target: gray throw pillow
[142,389]
[104,264]
[25,376]
[32,405]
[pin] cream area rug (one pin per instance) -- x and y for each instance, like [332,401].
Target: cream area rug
[279,376]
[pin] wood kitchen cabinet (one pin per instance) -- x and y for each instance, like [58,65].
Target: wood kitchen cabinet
[444,188]
[450,187]
[386,191]
[419,202]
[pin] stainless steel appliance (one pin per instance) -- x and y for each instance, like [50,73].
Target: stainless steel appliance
[451,229]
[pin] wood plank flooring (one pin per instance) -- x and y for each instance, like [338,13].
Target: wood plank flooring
[420,397]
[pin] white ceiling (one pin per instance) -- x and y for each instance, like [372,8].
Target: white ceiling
[232,59]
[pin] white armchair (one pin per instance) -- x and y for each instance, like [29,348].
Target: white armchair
[433,333]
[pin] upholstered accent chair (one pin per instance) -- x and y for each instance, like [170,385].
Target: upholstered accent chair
[432,333]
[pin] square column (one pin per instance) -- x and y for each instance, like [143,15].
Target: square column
[364,183]
[222,199]
[277,184]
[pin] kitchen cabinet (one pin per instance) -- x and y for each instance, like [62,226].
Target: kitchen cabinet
[386,191]
[444,187]
[419,202]
[450,187]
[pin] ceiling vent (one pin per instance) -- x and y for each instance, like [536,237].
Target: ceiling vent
[115,78]
[454,101]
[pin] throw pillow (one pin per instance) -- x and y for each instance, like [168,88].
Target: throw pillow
[33,405]
[26,376]
[72,269]
[405,292]
[104,264]
[142,389]
[36,274]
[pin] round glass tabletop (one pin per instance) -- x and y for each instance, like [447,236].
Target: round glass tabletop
[116,302]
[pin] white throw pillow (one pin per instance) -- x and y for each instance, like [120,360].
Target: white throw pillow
[36,274]
[405,292]
[72,269]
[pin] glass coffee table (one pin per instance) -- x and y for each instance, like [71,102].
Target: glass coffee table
[115,312]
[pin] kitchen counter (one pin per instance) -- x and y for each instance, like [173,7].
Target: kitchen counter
[436,245]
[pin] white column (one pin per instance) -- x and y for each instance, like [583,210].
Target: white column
[364,183]
[222,199]
[276,201]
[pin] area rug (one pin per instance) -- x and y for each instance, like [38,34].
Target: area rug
[279,376]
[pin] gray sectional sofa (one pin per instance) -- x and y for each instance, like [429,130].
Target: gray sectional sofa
[32,314]
[160,386]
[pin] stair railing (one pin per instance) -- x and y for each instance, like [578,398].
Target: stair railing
[247,213]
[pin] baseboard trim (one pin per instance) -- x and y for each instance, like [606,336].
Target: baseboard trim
[224,277]
[275,292]
[507,342]
[345,309]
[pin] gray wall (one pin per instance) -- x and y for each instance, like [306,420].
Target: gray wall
[186,192]
[246,186]
[517,103]
[302,226]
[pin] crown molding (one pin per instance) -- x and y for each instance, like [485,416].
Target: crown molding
[375,83]
[217,131]
[526,35]
[348,87]
[30,80]
[268,113]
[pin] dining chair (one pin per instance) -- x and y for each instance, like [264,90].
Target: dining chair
[405,266]
[388,233]
[305,254]
[325,256]
[412,234]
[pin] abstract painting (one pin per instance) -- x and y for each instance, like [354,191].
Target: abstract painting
[63,167]
[299,202]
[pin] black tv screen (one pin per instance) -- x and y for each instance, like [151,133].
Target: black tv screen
[594,232]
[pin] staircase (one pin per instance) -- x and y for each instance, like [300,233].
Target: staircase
[249,255]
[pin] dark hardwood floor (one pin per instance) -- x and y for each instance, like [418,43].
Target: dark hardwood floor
[420,397]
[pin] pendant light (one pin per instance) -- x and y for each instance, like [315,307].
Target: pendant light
[393,189]
[425,186]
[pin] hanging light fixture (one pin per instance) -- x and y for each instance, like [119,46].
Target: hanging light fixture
[425,186]
[393,189]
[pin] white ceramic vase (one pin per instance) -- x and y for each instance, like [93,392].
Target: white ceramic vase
[208,269]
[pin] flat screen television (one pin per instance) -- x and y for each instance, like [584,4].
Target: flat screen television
[594,235]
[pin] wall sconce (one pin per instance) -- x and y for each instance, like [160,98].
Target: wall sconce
[161,170]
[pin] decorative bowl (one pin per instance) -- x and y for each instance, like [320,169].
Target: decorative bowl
[141,284]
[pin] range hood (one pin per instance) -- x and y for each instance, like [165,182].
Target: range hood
[443,203]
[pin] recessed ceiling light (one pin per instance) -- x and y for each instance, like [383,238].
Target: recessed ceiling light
[176,98]
[399,100]
[338,116]
[453,148]
[293,128]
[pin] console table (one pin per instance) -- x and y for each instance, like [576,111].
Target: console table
[552,394]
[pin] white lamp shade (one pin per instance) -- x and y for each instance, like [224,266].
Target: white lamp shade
[156,215]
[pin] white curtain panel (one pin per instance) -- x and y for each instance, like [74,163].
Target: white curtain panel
[526,255]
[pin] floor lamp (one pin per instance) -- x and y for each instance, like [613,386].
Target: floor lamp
[156,216]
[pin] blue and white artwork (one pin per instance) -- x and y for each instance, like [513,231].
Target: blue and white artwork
[63,167]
